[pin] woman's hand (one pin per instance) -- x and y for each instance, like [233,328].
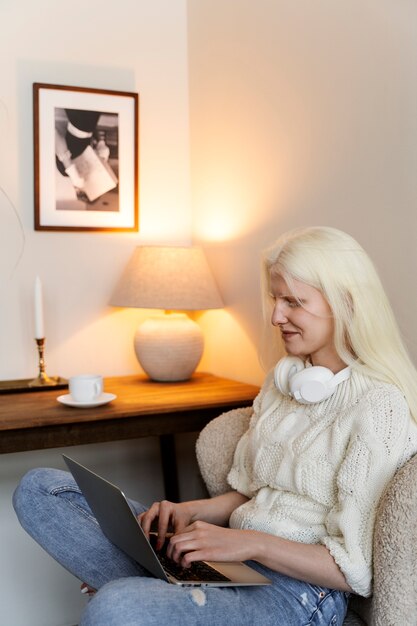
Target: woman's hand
[201,541]
[176,517]
[171,517]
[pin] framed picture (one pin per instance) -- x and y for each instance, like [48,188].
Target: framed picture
[85,158]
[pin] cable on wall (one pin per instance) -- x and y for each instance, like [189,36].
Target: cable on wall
[13,207]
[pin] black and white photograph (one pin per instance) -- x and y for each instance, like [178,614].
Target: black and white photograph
[85,159]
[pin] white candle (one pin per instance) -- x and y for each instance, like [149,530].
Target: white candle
[39,330]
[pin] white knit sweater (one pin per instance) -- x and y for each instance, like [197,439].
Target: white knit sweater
[315,473]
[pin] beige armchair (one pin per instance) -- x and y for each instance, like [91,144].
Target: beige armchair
[394,602]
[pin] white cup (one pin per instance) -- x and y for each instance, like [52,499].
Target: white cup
[85,387]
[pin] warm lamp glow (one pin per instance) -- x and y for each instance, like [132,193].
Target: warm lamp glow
[168,347]
[219,225]
[223,214]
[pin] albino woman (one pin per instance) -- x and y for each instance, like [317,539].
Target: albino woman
[331,425]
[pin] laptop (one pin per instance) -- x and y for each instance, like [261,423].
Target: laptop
[119,523]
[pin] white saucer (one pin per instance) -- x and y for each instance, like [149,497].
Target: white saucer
[103,399]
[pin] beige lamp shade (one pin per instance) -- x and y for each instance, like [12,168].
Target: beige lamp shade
[167,277]
[168,347]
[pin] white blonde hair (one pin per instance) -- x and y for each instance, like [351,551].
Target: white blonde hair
[366,334]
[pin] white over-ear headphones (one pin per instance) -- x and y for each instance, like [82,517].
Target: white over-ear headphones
[306,383]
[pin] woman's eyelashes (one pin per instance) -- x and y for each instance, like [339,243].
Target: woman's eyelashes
[290,301]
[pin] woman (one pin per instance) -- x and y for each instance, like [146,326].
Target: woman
[331,425]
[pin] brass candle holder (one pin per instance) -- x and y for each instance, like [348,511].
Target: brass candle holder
[41,383]
[43,380]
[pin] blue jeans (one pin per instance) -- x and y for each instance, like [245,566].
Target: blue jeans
[51,508]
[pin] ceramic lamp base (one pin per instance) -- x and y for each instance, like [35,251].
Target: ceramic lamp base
[169,347]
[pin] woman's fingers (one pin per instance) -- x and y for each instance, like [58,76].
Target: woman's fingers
[171,515]
[208,542]
[146,518]
[166,514]
[189,539]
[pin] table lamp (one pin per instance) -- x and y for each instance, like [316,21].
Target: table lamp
[168,346]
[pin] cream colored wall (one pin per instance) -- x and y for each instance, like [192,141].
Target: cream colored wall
[133,45]
[139,47]
[302,113]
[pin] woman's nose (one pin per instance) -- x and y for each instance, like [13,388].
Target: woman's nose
[278,315]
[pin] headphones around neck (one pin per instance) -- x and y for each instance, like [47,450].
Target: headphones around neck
[306,383]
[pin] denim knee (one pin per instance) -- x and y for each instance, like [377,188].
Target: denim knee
[27,485]
[35,483]
[110,606]
[139,601]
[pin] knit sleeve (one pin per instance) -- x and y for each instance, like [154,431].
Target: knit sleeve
[382,439]
[241,472]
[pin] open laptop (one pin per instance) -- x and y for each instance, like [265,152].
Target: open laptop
[119,523]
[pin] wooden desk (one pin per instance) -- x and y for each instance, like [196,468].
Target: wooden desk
[143,408]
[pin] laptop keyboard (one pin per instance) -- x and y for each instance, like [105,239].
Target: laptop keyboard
[198,571]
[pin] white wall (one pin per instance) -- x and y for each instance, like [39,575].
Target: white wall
[139,47]
[130,46]
[302,113]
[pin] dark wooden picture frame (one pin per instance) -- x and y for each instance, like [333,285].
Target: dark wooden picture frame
[85,159]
